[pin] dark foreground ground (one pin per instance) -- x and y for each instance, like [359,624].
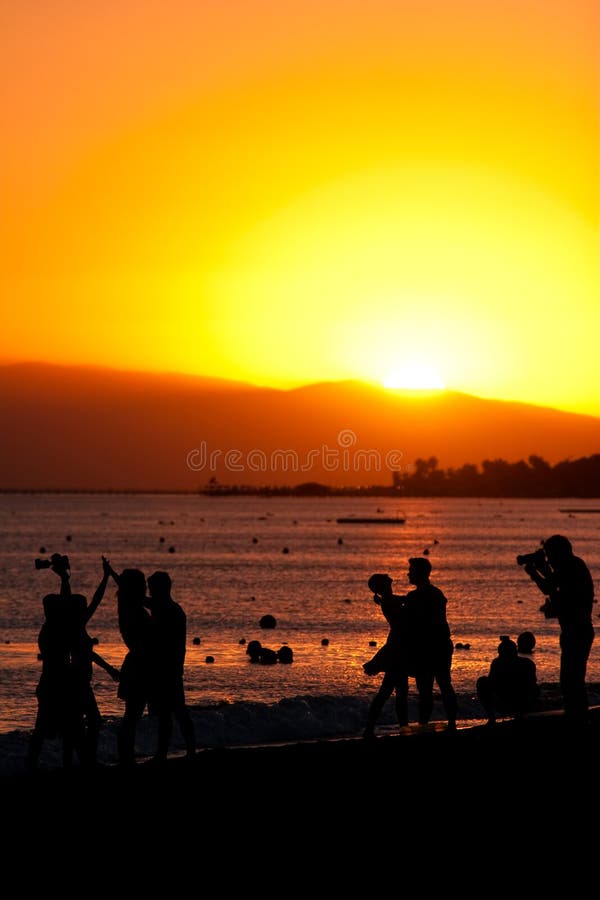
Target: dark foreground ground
[511,808]
[541,743]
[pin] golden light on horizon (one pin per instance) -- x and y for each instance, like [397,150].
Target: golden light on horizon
[416,375]
[290,193]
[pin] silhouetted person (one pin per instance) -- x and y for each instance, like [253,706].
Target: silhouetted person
[567,583]
[66,703]
[431,646]
[169,621]
[254,650]
[511,687]
[526,642]
[83,655]
[53,689]
[266,656]
[392,658]
[87,713]
[137,670]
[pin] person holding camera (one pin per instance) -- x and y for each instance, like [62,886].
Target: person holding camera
[567,583]
[66,703]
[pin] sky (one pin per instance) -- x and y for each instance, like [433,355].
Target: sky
[291,191]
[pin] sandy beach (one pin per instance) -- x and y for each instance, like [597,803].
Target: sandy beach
[323,815]
[514,755]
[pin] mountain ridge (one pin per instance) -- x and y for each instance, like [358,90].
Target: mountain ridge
[96,428]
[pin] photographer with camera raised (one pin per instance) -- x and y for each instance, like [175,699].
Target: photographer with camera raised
[67,706]
[567,583]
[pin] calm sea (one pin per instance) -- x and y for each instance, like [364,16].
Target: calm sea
[233,560]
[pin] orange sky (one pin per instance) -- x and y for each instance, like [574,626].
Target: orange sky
[285,192]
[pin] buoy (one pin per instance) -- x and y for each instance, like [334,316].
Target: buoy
[171,549]
[210,659]
[286,550]
[162,540]
[255,540]
[325,642]
[372,643]
[340,541]
[268,621]
[68,538]
[196,641]
[242,640]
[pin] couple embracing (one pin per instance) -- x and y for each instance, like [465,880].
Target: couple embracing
[418,645]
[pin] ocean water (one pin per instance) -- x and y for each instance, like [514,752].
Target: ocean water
[235,559]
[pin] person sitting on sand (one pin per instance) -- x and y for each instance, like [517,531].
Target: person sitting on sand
[511,687]
[392,658]
[526,643]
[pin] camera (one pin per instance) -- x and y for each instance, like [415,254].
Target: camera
[537,558]
[56,561]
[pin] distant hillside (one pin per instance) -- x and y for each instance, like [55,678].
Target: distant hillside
[90,428]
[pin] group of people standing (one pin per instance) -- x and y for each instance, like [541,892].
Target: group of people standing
[419,643]
[419,646]
[153,628]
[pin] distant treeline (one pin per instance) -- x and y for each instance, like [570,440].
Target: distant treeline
[498,478]
[493,478]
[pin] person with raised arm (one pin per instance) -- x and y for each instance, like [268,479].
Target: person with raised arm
[392,658]
[67,706]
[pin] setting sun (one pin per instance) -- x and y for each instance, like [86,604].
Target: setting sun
[415,375]
[224,187]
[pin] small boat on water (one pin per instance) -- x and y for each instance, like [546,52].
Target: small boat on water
[583,509]
[370,520]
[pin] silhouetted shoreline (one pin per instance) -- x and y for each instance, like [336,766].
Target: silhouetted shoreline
[531,479]
[306,797]
[527,745]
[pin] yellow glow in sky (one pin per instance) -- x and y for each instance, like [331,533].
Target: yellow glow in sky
[414,374]
[287,193]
